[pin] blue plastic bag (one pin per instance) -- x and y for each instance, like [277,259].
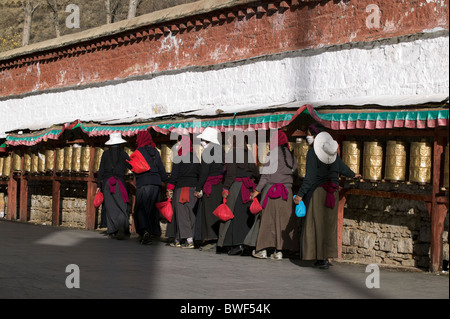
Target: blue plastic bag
[300,209]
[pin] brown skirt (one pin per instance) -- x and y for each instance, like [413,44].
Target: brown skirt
[319,238]
[279,225]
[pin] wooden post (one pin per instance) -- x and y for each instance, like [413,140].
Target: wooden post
[91,189]
[340,226]
[436,211]
[12,198]
[23,202]
[12,194]
[56,201]
[342,200]
[56,194]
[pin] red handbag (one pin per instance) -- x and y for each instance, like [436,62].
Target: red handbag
[138,163]
[223,212]
[165,208]
[98,200]
[255,207]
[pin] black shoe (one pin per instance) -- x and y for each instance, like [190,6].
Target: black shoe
[238,250]
[120,234]
[322,264]
[146,239]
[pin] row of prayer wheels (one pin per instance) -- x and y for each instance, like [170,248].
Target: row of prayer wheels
[69,159]
[76,158]
[394,157]
[72,159]
[395,161]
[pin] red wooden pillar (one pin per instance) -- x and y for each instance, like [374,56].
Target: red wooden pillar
[340,226]
[437,211]
[23,201]
[342,200]
[12,194]
[12,198]
[56,195]
[56,201]
[23,197]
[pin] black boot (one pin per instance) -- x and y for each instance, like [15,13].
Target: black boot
[322,264]
[238,250]
[146,239]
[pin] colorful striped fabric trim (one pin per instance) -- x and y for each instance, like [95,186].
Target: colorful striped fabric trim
[260,122]
[422,119]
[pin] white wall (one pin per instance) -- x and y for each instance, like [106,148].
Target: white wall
[409,68]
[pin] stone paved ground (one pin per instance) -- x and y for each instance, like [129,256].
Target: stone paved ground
[33,261]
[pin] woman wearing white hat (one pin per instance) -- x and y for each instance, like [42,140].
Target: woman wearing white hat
[209,186]
[111,181]
[320,194]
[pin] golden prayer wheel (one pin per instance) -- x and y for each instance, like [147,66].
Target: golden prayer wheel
[301,148]
[41,161]
[68,152]
[49,159]
[85,158]
[34,162]
[351,155]
[166,157]
[129,151]
[446,168]
[59,163]
[76,158]
[373,161]
[16,162]
[27,161]
[263,150]
[2,160]
[97,158]
[420,162]
[395,161]
[7,166]
[198,150]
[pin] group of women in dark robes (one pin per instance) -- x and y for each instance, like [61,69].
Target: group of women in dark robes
[197,187]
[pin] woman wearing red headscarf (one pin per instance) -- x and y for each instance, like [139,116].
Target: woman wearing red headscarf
[278,226]
[148,190]
[181,186]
